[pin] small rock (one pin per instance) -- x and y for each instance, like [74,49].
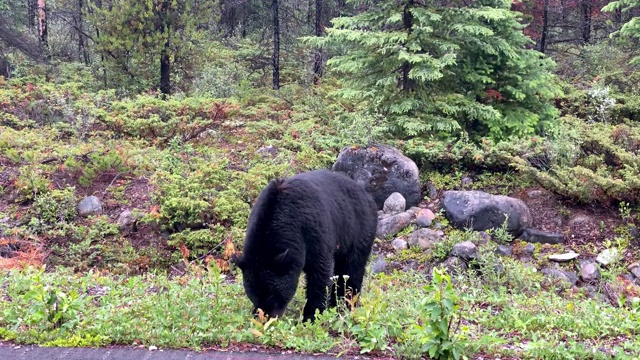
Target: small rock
[564,257]
[530,267]
[607,256]
[542,237]
[634,269]
[414,210]
[466,181]
[454,265]
[633,231]
[438,226]
[632,279]
[151,348]
[529,250]
[379,265]
[483,238]
[466,250]
[8,251]
[533,194]
[504,250]
[568,276]
[433,192]
[392,225]
[399,244]
[268,151]
[589,271]
[592,291]
[394,204]
[440,233]
[126,219]
[89,206]
[424,238]
[207,133]
[579,220]
[411,265]
[424,218]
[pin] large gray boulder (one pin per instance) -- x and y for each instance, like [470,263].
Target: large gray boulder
[382,170]
[480,211]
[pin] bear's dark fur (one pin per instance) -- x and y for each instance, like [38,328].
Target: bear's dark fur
[319,222]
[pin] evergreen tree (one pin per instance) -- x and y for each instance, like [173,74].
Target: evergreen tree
[148,40]
[630,30]
[436,69]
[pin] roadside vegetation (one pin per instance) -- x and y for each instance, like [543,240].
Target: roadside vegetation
[177,165]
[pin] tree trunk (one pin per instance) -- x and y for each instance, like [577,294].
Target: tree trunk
[83,54]
[12,38]
[42,25]
[276,45]
[545,26]
[165,60]
[318,62]
[407,21]
[104,70]
[165,70]
[617,18]
[228,17]
[32,9]
[586,20]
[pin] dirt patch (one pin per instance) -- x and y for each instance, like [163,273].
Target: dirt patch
[586,227]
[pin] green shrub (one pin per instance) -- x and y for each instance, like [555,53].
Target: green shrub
[627,107]
[94,245]
[438,336]
[25,104]
[602,166]
[98,163]
[152,118]
[31,182]
[201,201]
[55,208]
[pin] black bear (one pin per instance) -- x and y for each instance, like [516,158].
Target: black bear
[319,222]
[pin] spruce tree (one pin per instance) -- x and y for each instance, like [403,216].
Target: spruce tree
[631,29]
[439,69]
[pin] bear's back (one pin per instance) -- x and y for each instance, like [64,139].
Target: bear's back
[309,212]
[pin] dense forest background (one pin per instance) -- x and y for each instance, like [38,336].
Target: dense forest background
[219,47]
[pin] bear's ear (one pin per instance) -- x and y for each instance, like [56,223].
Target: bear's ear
[237,260]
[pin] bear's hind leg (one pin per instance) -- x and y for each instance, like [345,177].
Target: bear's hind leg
[318,282]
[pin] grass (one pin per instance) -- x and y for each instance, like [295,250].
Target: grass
[499,315]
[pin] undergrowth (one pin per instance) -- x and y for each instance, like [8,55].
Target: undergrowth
[500,311]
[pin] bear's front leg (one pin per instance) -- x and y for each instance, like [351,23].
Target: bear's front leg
[317,285]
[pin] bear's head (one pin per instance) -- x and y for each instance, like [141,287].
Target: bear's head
[269,284]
